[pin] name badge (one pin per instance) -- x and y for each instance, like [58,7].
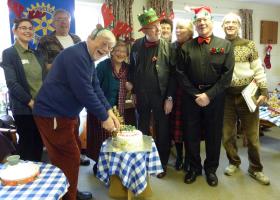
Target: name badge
[24,61]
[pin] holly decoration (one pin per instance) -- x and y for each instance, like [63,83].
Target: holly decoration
[214,50]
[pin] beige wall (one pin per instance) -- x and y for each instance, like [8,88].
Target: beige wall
[260,12]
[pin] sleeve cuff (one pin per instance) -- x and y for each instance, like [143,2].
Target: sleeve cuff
[264,91]
[104,116]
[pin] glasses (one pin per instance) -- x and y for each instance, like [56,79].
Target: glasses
[62,19]
[228,23]
[107,46]
[120,51]
[24,28]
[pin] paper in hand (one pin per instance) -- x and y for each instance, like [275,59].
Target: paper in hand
[248,94]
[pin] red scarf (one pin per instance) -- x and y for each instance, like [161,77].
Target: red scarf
[151,44]
[122,76]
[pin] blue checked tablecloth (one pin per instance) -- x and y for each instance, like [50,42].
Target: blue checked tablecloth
[51,184]
[131,167]
[265,115]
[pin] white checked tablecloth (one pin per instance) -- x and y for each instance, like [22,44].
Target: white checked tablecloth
[131,167]
[51,184]
[265,115]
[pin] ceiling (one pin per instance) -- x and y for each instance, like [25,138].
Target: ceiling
[275,2]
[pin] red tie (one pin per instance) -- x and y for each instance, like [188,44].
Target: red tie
[200,40]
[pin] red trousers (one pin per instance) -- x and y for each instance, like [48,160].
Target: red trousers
[61,139]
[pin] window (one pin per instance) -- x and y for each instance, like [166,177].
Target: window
[5,43]
[5,28]
[87,15]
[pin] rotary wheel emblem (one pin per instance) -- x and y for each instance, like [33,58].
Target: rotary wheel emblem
[42,26]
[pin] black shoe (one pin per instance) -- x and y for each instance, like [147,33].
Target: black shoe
[190,176]
[212,179]
[84,195]
[162,174]
[84,162]
[179,164]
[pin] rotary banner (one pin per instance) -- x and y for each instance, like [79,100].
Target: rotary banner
[40,11]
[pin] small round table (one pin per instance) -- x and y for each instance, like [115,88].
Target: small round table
[132,168]
[50,184]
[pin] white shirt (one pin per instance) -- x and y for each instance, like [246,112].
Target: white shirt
[65,41]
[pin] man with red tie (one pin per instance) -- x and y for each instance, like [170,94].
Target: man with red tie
[204,71]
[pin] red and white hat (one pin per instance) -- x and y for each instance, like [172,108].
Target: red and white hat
[203,11]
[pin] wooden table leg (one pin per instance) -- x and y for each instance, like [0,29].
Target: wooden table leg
[129,195]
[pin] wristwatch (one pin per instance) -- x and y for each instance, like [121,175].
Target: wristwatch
[170,98]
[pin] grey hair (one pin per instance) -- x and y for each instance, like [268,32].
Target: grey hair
[104,33]
[61,11]
[234,16]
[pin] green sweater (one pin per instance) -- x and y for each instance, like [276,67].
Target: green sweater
[32,69]
[108,83]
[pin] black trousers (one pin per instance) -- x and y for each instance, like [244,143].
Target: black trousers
[209,121]
[147,102]
[30,146]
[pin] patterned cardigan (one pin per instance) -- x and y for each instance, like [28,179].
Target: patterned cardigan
[248,65]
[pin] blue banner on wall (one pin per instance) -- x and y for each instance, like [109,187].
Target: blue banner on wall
[41,13]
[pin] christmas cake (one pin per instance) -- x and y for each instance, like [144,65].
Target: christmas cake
[129,136]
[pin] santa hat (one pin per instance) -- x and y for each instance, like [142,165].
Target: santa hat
[203,11]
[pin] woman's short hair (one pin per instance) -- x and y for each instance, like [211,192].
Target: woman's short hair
[167,21]
[18,21]
[186,23]
[121,43]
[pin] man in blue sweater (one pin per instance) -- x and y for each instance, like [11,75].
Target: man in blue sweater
[71,85]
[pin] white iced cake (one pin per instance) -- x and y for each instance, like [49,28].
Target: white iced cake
[21,173]
[129,136]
